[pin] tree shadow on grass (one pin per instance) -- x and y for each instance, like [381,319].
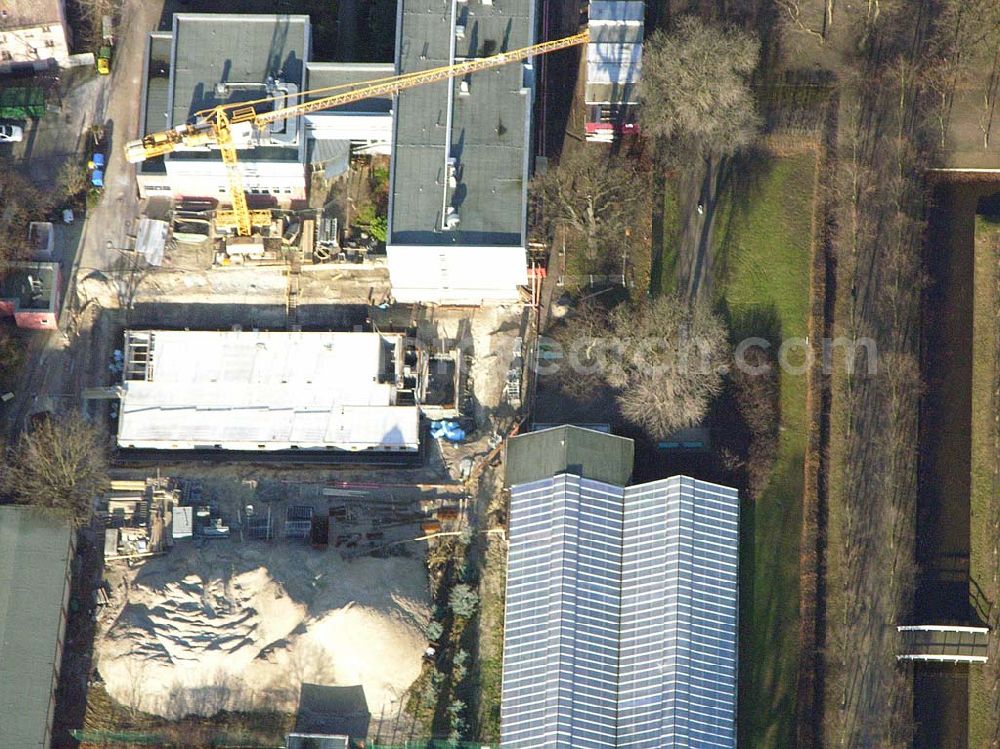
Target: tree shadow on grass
[739,182]
[747,444]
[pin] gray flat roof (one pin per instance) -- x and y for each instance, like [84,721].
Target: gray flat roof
[326,74]
[35,555]
[211,48]
[569,449]
[156,93]
[333,710]
[489,133]
[158,83]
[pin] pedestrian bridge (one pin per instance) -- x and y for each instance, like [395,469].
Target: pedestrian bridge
[943,643]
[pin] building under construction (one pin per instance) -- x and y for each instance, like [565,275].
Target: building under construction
[275,391]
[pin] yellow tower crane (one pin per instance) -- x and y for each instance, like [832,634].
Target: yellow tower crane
[227,124]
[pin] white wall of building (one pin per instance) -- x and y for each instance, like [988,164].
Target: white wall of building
[282,180]
[360,128]
[454,274]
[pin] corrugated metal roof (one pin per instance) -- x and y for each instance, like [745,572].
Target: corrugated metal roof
[151,240]
[183,522]
[621,616]
[333,155]
[35,556]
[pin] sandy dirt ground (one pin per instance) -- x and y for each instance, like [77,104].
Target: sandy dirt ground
[229,625]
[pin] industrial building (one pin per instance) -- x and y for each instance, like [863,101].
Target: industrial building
[33,34]
[269,391]
[36,556]
[614,67]
[621,608]
[461,155]
[29,292]
[209,59]
[460,148]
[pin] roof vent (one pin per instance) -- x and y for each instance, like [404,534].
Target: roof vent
[463,88]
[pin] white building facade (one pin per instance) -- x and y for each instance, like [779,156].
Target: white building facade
[265,391]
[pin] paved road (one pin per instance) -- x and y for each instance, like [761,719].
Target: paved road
[699,184]
[111,220]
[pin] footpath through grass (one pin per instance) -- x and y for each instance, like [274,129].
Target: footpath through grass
[764,245]
[984,723]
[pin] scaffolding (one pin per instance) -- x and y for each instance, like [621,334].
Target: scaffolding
[298,521]
[139,355]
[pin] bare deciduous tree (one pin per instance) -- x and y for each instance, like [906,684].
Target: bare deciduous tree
[663,358]
[670,370]
[129,273]
[71,180]
[60,466]
[695,86]
[21,203]
[598,197]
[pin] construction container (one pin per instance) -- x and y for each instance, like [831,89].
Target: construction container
[22,103]
[319,534]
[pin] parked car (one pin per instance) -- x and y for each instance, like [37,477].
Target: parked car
[11,133]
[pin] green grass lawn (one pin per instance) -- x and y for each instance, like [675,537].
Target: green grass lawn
[663,273]
[763,247]
[983,562]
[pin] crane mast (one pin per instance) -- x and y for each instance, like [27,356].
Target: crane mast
[214,126]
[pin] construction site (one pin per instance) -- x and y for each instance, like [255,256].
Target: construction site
[223,594]
[302,305]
